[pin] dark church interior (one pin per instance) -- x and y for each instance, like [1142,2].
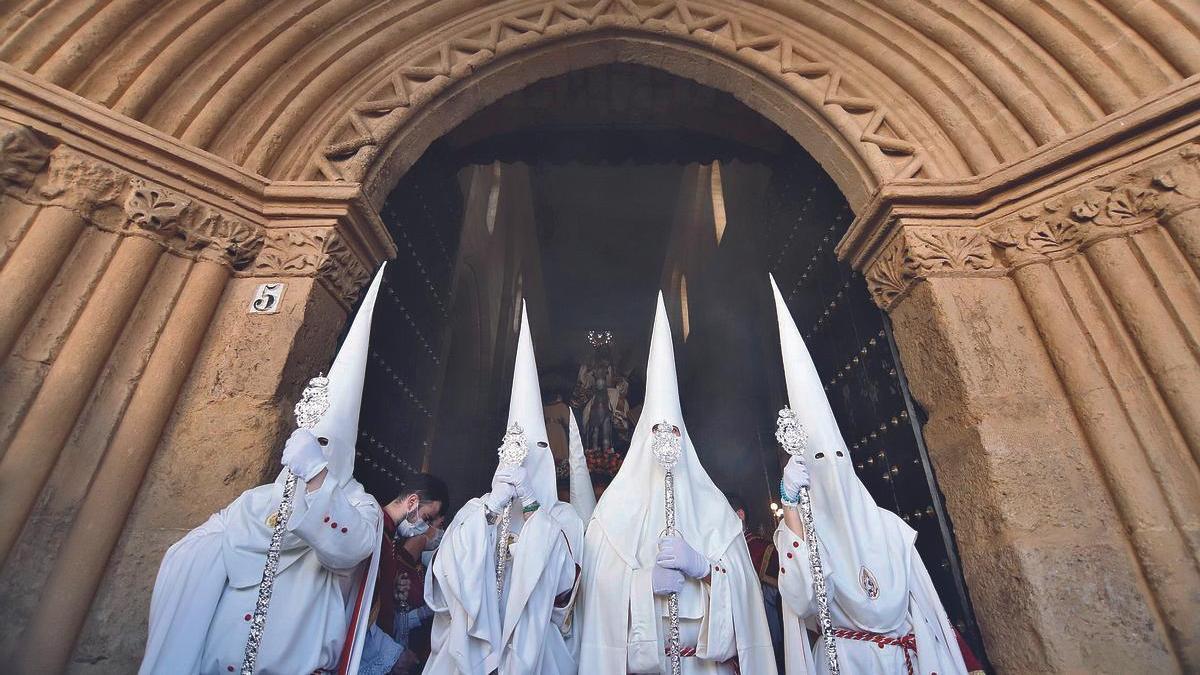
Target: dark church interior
[585,195]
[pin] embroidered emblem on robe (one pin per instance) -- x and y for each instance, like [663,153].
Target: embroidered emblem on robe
[868,583]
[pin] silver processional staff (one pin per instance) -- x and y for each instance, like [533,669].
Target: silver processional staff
[514,448]
[666,447]
[791,435]
[313,404]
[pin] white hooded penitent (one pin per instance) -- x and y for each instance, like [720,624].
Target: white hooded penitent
[874,578]
[528,628]
[633,517]
[208,582]
[624,622]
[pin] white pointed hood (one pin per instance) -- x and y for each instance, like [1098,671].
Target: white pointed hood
[631,511]
[583,495]
[858,535]
[248,534]
[339,424]
[525,408]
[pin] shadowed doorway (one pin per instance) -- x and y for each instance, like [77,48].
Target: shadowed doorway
[583,196]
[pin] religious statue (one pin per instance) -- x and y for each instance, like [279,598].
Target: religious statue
[624,418]
[598,418]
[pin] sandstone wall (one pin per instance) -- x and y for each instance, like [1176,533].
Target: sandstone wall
[1025,181]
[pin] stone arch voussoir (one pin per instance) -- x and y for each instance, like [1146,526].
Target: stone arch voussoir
[427,91]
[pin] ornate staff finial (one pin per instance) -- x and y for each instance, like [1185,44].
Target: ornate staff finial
[790,433]
[665,445]
[514,447]
[314,401]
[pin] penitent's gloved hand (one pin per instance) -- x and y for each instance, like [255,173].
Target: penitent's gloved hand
[503,490]
[795,476]
[666,581]
[675,553]
[303,455]
[522,486]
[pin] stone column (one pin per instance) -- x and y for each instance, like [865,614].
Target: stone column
[1157,304]
[76,186]
[81,561]
[1038,536]
[39,438]
[1052,336]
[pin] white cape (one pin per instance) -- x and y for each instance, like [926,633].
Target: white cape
[208,584]
[623,621]
[475,631]
[924,617]
[875,580]
[524,632]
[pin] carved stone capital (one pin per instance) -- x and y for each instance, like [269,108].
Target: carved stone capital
[319,252]
[921,252]
[229,240]
[1113,206]
[154,208]
[81,182]
[1116,205]
[22,157]
[190,229]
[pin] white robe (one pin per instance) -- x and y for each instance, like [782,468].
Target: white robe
[474,631]
[937,646]
[625,625]
[875,580]
[207,585]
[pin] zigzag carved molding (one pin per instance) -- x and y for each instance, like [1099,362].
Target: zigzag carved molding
[820,83]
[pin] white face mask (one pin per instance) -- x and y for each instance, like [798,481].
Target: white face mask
[407,528]
[434,540]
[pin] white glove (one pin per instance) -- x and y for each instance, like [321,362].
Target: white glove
[674,553]
[666,581]
[520,480]
[503,490]
[795,476]
[303,455]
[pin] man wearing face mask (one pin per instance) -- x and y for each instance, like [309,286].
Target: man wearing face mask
[437,528]
[398,592]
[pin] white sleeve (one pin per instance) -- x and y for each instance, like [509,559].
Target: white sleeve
[342,532]
[735,621]
[460,588]
[795,574]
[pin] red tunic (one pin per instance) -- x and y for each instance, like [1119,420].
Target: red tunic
[972,663]
[385,584]
[396,564]
[765,558]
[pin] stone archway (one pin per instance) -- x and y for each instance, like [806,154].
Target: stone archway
[1026,193]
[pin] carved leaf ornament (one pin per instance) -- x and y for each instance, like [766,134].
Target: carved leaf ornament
[1113,206]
